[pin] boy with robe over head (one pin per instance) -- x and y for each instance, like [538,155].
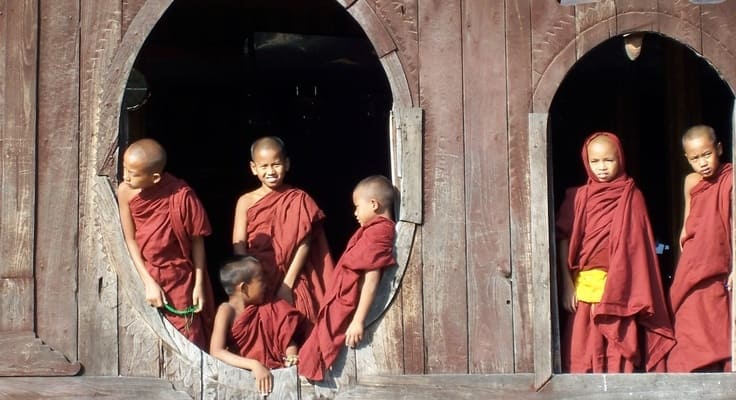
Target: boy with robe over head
[355,279]
[164,225]
[609,273]
[283,228]
[251,332]
[699,295]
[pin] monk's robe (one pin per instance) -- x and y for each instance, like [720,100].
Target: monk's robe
[263,332]
[166,216]
[699,298]
[608,228]
[370,248]
[277,224]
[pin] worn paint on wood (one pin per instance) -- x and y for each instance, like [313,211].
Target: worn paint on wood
[681,19]
[140,346]
[518,93]
[718,37]
[412,309]
[25,355]
[86,388]
[444,269]
[58,177]
[374,29]
[490,342]
[130,10]
[18,51]
[594,23]
[636,15]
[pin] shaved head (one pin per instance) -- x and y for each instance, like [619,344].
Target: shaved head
[150,153]
[268,142]
[379,188]
[700,131]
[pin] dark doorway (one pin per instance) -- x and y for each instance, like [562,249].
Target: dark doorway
[648,103]
[223,73]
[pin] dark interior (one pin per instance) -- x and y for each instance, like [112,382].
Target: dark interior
[648,103]
[223,73]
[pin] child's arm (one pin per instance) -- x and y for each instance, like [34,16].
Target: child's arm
[354,334]
[198,259]
[569,298]
[300,257]
[154,294]
[218,349]
[690,181]
[240,226]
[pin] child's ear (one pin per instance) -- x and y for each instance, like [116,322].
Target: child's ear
[287,164]
[375,205]
[156,177]
[719,149]
[253,169]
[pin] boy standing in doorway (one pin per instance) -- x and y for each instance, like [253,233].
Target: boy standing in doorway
[699,295]
[609,273]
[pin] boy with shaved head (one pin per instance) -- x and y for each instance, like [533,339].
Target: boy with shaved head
[164,224]
[283,227]
[699,294]
[609,273]
[354,283]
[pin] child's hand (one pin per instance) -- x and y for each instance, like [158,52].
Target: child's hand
[155,296]
[354,334]
[198,297]
[264,379]
[569,297]
[285,293]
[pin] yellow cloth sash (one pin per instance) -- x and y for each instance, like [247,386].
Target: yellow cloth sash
[589,285]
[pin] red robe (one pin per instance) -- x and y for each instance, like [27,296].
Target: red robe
[370,248]
[166,217]
[700,301]
[277,223]
[264,332]
[609,228]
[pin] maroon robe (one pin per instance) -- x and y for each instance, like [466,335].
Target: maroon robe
[370,248]
[264,332]
[277,224]
[699,299]
[608,227]
[166,217]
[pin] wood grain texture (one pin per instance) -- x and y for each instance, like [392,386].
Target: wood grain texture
[719,37]
[594,24]
[130,10]
[413,310]
[397,80]
[680,19]
[86,388]
[409,132]
[26,355]
[139,346]
[382,41]
[58,178]
[519,92]
[18,55]
[636,15]
[490,341]
[541,259]
[97,297]
[444,261]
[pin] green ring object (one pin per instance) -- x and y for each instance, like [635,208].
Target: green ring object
[188,311]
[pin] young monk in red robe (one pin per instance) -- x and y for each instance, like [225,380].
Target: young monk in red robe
[609,273]
[355,280]
[282,227]
[164,224]
[699,294]
[250,332]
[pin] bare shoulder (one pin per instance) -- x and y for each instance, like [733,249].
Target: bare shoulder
[691,180]
[225,310]
[247,200]
[125,193]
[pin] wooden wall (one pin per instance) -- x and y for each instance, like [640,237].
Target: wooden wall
[476,68]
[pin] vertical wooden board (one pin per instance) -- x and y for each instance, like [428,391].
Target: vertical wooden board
[139,346]
[412,310]
[541,260]
[490,322]
[17,309]
[382,349]
[97,297]
[130,10]
[444,264]
[594,23]
[636,15]
[519,93]
[553,29]
[58,177]
[680,19]
[18,45]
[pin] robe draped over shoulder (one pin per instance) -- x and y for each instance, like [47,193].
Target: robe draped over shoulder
[370,248]
[166,217]
[699,299]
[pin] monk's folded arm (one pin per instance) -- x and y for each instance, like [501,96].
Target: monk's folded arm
[126,219]
[240,227]
[371,279]
[300,257]
[199,261]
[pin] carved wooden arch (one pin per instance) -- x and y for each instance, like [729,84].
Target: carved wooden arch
[721,56]
[212,378]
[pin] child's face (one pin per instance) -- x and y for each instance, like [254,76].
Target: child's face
[703,155]
[603,160]
[365,207]
[255,290]
[269,167]
[135,173]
